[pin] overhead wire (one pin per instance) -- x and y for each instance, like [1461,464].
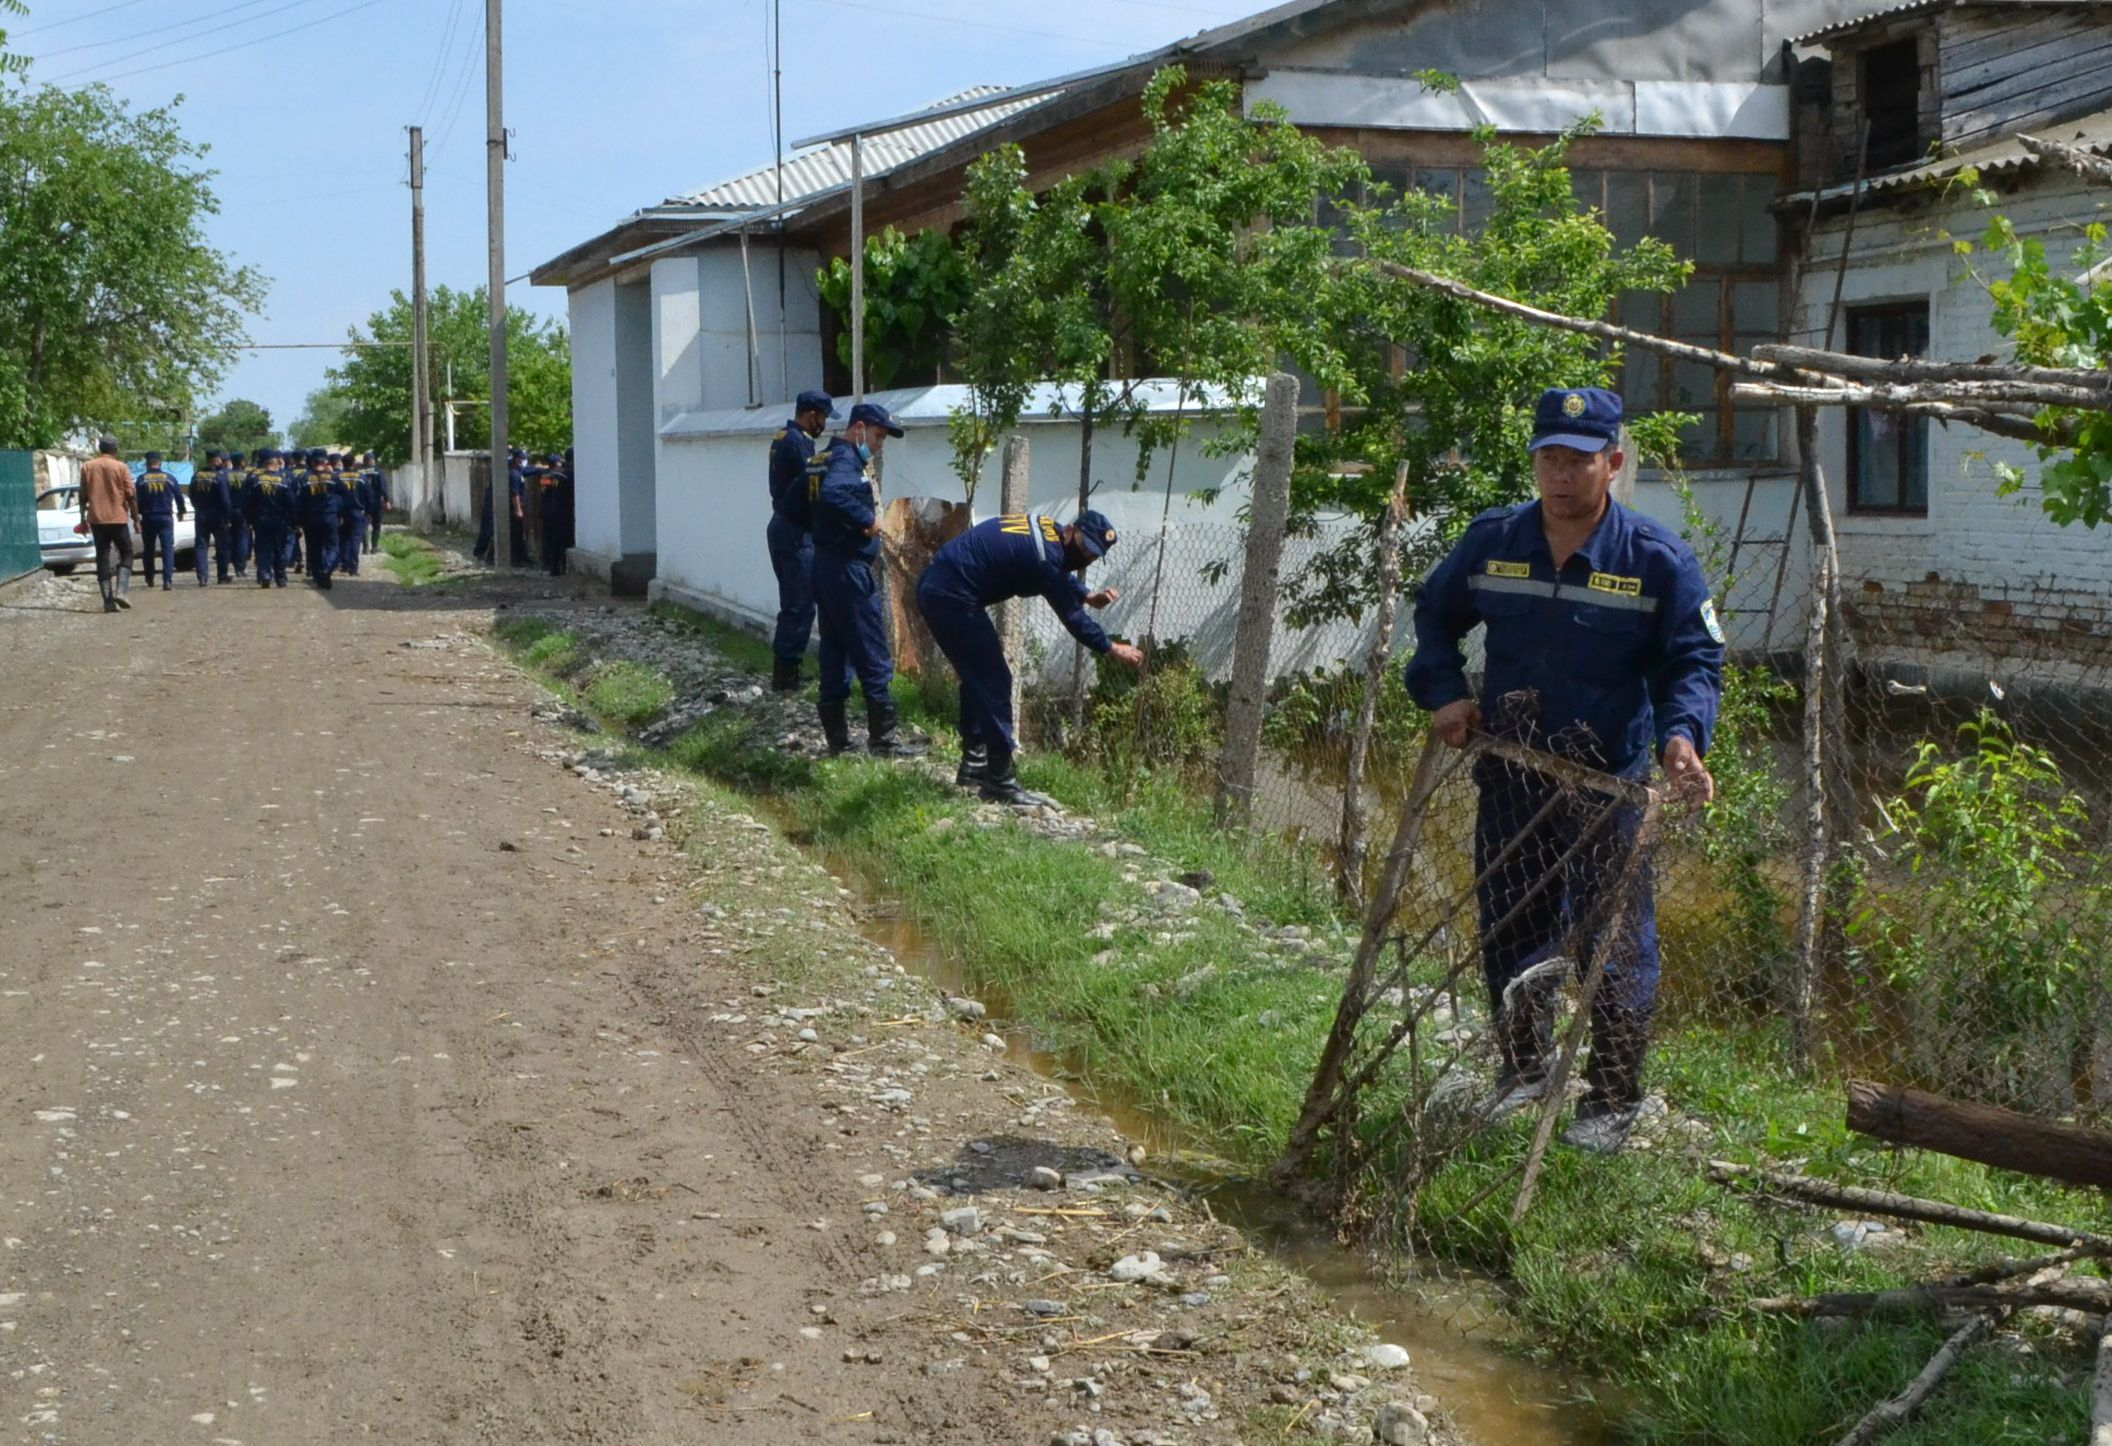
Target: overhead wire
[76,19]
[461,93]
[155,30]
[186,39]
[429,94]
[105,67]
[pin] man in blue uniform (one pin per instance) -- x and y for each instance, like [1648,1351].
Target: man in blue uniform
[318,492]
[238,512]
[486,550]
[160,504]
[297,468]
[846,524]
[268,503]
[1602,645]
[553,500]
[376,497]
[1008,557]
[791,548]
[210,502]
[351,514]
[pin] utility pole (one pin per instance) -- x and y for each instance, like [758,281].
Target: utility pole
[421,400]
[857,269]
[495,188]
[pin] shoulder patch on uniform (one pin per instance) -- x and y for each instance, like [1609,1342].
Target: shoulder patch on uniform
[1509,569]
[1710,621]
[1609,582]
[782,433]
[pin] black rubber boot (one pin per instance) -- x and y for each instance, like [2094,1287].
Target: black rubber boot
[784,675]
[124,588]
[1524,1040]
[975,765]
[1001,785]
[882,720]
[836,727]
[108,585]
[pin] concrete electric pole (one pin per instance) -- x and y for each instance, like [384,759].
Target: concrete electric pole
[495,187]
[421,398]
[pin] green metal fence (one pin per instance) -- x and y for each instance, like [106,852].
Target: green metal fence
[19,552]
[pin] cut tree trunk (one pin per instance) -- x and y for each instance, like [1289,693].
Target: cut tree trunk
[1997,1137]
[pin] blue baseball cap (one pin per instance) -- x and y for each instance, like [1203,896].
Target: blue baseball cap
[317,454]
[875,415]
[1095,533]
[1587,419]
[815,402]
[238,457]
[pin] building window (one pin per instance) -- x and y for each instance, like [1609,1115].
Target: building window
[1888,452]
[1891,92]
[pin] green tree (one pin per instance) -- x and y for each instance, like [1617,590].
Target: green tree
[1446,388]
[239,426]
[112,305]
[324,417]
[374,381]
[913,287]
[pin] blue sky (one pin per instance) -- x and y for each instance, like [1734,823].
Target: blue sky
[615,104]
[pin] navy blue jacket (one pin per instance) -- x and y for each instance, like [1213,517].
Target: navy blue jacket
[317,495]
[269,500]
[210,497]
[1006,557]
[374,491]
[160,496]
[842,501]
[1610,657]
[239,482]
[351,499]
[790,452]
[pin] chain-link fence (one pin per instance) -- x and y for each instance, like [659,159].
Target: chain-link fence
[1903,881]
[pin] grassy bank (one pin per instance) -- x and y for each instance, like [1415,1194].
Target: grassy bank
[1631,1269]
[412,559]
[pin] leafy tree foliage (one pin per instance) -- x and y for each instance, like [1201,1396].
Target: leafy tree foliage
[374,382]
[323,420]
[239,426]
[913,286]
[112,305]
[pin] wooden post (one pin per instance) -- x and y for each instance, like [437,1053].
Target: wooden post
[1257,601]
[1991,1136]
[2101,1391]
[1811,912]
[1349,857]
[1012,615]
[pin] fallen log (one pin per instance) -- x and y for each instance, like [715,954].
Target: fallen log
[1901,1408]
[1991,1136]
[2082,1293]
[1857,1199]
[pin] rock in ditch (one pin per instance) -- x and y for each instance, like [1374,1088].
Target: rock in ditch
[1400,1424]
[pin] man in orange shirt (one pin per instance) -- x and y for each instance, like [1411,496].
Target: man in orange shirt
[109,507]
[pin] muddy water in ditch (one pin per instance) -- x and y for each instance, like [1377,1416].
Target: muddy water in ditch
[1454,1332]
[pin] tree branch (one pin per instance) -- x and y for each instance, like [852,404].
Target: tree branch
[1901,1207]
[2072,1293]
[1921,369]
[2087,164]
[1902,1408]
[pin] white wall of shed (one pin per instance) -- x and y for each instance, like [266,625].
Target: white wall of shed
[592,315]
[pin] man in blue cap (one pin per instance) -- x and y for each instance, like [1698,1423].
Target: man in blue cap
[269,508]
[374,484]
[1009,557]
[319,503]
[846,523]
[238,474]
[1602,645]
[554,512]
[210,504]
[160,504]
[351,514]
[791,548]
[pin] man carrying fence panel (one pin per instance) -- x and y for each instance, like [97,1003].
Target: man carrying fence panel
[1602,646]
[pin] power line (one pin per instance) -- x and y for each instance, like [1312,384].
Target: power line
[245,44]
[76,19]
[183,40]
[156,30]
[972,24]
[462,78]
[430,92]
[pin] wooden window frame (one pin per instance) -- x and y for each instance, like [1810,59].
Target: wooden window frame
[1856,506]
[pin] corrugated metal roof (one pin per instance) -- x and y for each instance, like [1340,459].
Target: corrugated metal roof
[2092,133]
[1925,7]
[812,172]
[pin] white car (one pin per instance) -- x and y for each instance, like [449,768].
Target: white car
[64,549]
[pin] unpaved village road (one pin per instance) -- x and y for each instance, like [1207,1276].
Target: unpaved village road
[364,1077]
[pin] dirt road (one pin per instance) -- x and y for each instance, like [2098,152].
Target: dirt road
[365,1077]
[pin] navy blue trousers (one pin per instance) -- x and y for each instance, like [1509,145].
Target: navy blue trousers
[853,629]
[238,540]
[270,539]
[322,550]
[351,536]
[965,634]
[1571,914]
[157,534]
[213,529]
[792,559]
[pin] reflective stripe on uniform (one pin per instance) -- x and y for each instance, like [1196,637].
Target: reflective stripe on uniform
[1535,587]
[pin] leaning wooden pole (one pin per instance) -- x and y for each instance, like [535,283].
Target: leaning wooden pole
[2101,1391]
[1983,1133]
[1804,969]
[1241,761]
[1901,1207]
[1356,812]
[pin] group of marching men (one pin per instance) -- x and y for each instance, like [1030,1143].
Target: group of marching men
[314,512]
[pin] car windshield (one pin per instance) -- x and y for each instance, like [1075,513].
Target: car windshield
[59,499]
